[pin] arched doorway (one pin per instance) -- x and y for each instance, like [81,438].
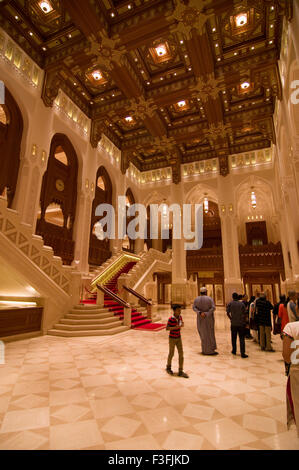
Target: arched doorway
[11,130]
[58,199]
[128,244]
[206,264]
[99,250]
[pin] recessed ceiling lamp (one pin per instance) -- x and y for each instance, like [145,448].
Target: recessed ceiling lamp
[245,85]
[161,50]
[45,6]
[129,118]
[241,20]
[181,104]
[113,15]
[97,75]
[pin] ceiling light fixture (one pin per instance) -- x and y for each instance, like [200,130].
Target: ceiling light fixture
[129,118]
[241,20]
[31,33]
[245,85]
[181,104]
[161,50]
[97,75]
[45,6]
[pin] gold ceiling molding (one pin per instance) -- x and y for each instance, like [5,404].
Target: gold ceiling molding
[189,17]
[208,88]
[142,108]
[218,131]
[106,49]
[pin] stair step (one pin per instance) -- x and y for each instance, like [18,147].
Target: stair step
[86,307]
[90,321]
[88,310]
[88,316]
[95,326]
[112,331]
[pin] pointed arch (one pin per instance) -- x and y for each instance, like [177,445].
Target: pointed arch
[59,186]
[11,131]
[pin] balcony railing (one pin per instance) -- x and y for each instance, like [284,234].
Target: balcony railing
[266,257]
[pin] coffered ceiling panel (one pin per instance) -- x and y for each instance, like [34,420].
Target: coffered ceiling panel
[168,81]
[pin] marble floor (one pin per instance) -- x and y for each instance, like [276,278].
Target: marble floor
[113,393]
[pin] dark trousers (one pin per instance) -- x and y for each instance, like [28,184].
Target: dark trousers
[238,330]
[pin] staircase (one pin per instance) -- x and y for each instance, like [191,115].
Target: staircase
[137,318]
[87,319]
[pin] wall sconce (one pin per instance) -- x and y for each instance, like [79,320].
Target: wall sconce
[86,183]
[223,209]
[230,208]
[44,156]
[34,150]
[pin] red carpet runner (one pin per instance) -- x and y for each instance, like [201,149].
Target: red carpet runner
[138,320]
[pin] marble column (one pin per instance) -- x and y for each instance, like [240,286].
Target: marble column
[179,270]
[231,258]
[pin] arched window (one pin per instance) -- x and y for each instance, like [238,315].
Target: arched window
[99,247]
[60,155]
[58,198]
[54,215]
[101,183]
[3,115]
[11,130]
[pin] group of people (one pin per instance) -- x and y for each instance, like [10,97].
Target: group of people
[246,317]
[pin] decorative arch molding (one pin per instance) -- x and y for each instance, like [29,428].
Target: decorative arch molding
[10,147]
[99,250]
[60,186]
[156,198]
[130,196]
[197,194]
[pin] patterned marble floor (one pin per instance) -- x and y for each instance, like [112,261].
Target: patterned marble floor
[113,393]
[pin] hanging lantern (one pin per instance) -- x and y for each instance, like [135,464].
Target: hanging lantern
[206,205]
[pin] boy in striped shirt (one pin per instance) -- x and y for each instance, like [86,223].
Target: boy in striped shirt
[174,325]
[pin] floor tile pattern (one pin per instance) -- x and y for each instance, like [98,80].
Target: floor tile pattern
[113,393]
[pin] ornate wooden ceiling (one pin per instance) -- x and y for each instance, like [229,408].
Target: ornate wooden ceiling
[168,81]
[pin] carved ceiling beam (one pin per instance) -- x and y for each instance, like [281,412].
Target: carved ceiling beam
[85,17]
[155,125]
[213,110]
[200,54]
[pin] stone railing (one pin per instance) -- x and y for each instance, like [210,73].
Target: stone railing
[262,257]
[32,246]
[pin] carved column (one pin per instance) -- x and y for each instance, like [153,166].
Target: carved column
[179,270]
[231,259]
[82,229]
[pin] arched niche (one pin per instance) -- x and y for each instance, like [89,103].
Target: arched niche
[128,244]
[11,131]
[59,195]
[99,250]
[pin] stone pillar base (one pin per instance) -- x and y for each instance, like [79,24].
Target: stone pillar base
[232,286]
[179,293]
[100,298]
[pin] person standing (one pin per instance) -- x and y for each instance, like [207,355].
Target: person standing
[291,307]
[263,314]
[291,357]
[236,312]
[204,307]
[252,321]
[174,325]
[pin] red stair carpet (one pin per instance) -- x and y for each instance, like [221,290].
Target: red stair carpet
[138,320]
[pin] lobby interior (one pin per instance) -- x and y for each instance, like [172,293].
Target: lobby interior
[152,102]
